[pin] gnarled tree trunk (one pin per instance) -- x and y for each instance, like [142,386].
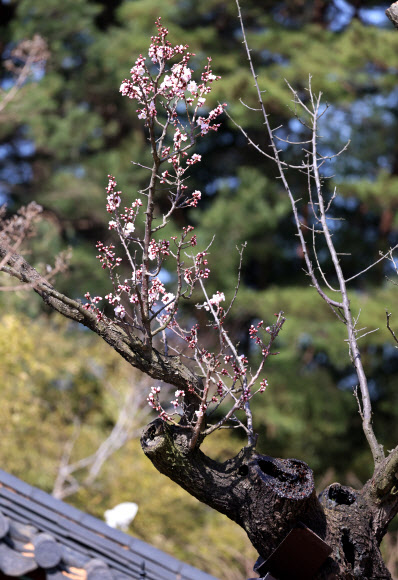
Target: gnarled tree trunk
[268,497]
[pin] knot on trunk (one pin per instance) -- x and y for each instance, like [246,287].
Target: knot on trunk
[288,478]
[338,495]
[160,438]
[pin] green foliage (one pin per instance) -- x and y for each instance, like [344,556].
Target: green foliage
[44,386]
[70,375]
[253,209]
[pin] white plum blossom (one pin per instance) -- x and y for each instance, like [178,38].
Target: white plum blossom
[168,299]
[129,229]
[192,87]
[153,250]
[139,69]
[177,81]
[113,201]
[167,83]
[130,90]
[196,196]
[184,73]
[215,300]
[156,289]
[178,137]
[120,311]
[156,53]
[194,159]
[203,124]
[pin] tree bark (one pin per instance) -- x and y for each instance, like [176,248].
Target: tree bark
[268,497]
[392,13]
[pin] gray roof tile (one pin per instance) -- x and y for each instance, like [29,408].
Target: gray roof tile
[84,542]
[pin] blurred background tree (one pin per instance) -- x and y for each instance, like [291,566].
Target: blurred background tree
[68,127]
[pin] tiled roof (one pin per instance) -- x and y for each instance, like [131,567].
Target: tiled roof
[39,532]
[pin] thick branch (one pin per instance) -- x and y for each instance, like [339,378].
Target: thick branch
[392,13]
[131,348]
[265,496]
[386,479]
[382,493]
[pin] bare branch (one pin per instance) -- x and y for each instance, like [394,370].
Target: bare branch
[383,257]
[388,315]
[366,333]
[29,52]
[280,164]
[313,163]
[131,418]
[131,348]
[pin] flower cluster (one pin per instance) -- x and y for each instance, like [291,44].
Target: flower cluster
[195,198]
[140,299]
[227,374]
[107,256]
[162,94]
[173,84]
[215,301]
[158,249]
[154,402]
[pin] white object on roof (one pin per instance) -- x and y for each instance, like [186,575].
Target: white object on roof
[121,515]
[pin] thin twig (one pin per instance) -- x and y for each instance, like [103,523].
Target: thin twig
[388,315]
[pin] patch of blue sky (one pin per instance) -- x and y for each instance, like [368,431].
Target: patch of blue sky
[79,171]
[231,182]
[7,83]
[164,276]
[5,151]
[344,12]
[14,174]
[3,195]
[274,57]
[375,15]
[350,203]
[349,382]
[342,16]
[25,147]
